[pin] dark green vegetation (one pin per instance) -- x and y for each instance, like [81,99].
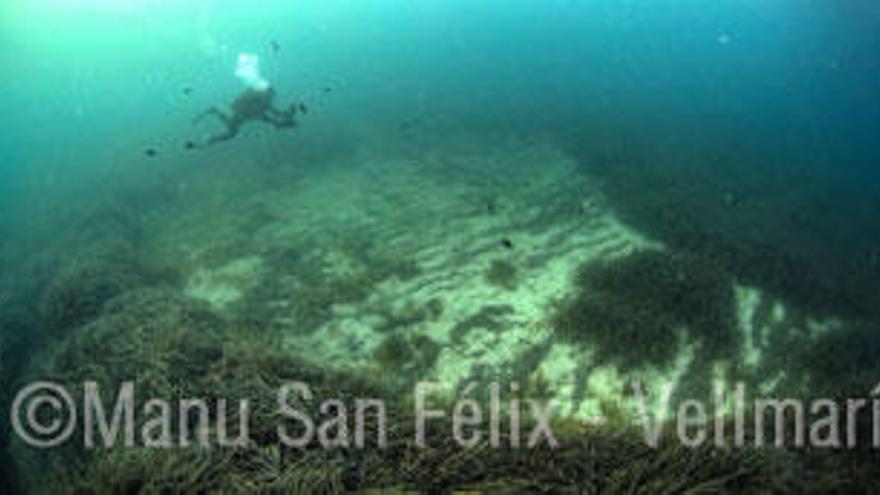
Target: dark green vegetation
[178,349]
[403,359]
[175,348]
[770,215]
[398,350]
[635,308]
[838,364]
[502,273]
[845,363]
[84,285]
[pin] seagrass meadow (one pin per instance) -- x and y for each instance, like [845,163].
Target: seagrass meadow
[434,247]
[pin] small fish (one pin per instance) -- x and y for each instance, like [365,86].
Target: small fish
[506,243]
[190,145]
[187,90]
[328,89]
[303,108]
[151,152]
[275,46]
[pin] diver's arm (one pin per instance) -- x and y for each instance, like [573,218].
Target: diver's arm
[232,127]
[213,139]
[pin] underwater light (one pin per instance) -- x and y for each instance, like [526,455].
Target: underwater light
[97,6]
[248,70]
[63,23]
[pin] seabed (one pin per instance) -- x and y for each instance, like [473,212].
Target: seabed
[454,263]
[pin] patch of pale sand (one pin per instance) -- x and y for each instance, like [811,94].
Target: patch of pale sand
[454,263]
[433,211]
[450,236]
[343,344]
[225,285]
[754,340]
[464,292]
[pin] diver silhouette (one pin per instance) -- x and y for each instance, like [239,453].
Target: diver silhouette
[253,105]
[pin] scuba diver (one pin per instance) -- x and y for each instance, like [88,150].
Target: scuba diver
[254,104]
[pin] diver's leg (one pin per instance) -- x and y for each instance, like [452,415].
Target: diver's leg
[210,111]
[225,119]
[231,132]
[232,125]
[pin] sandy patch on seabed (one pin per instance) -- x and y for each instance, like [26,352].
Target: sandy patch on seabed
[448,213]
